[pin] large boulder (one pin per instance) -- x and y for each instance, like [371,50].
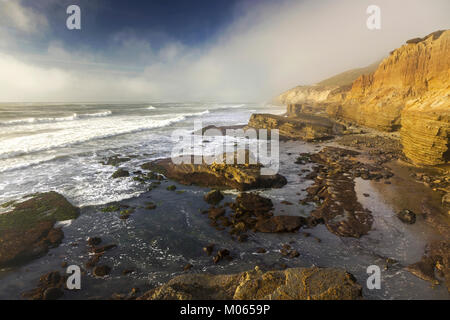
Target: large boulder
[216,175]
[27,231]
[290,284]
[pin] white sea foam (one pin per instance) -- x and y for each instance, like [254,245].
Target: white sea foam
[73,117]
[151,108]
[49,136]
[48,152]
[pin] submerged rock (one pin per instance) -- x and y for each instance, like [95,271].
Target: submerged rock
[208,249]
[50,287]
[120,173]
[171,188]
[289,284]
[101,271]
[115,160]
[94,241]
[280,224]
[27,231]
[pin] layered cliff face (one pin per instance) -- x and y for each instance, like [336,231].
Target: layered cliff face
[410,91]
[414,71]
[307,127]
[425,132]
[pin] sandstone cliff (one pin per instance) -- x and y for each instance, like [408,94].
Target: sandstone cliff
[425,132]
[408,91]
[326,91]
[414,71]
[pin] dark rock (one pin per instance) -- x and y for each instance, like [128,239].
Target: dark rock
[261,250]
[115,160]
[127,272]
[242,238]
[101,271]
[187,267]
[104,248]
[53,293]
[49,288]
[93,260]
[125,214]
[252,203]
[27,230]
[208,249]
[334,192]
[213,197]
[171,188]
[407,216]
[120,173]
[94,241]
[150,206]
[280,224]
[221,254]
[294,254]
[435,260]
[214,213]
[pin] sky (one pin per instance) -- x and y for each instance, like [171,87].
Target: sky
[197,50]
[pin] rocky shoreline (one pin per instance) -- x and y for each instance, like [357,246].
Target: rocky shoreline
[360,140]
[332,194]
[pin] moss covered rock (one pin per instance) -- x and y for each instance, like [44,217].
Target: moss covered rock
[27,231]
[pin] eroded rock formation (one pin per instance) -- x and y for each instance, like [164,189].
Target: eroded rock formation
[290,284]
[305,127]
[217,175]
[334,192]
[425,132]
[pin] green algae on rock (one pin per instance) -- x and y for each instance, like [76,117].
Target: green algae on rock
[27,231]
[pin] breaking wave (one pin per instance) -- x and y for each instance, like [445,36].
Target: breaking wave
[73,117]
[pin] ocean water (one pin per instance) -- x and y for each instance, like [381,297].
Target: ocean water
[61,146]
